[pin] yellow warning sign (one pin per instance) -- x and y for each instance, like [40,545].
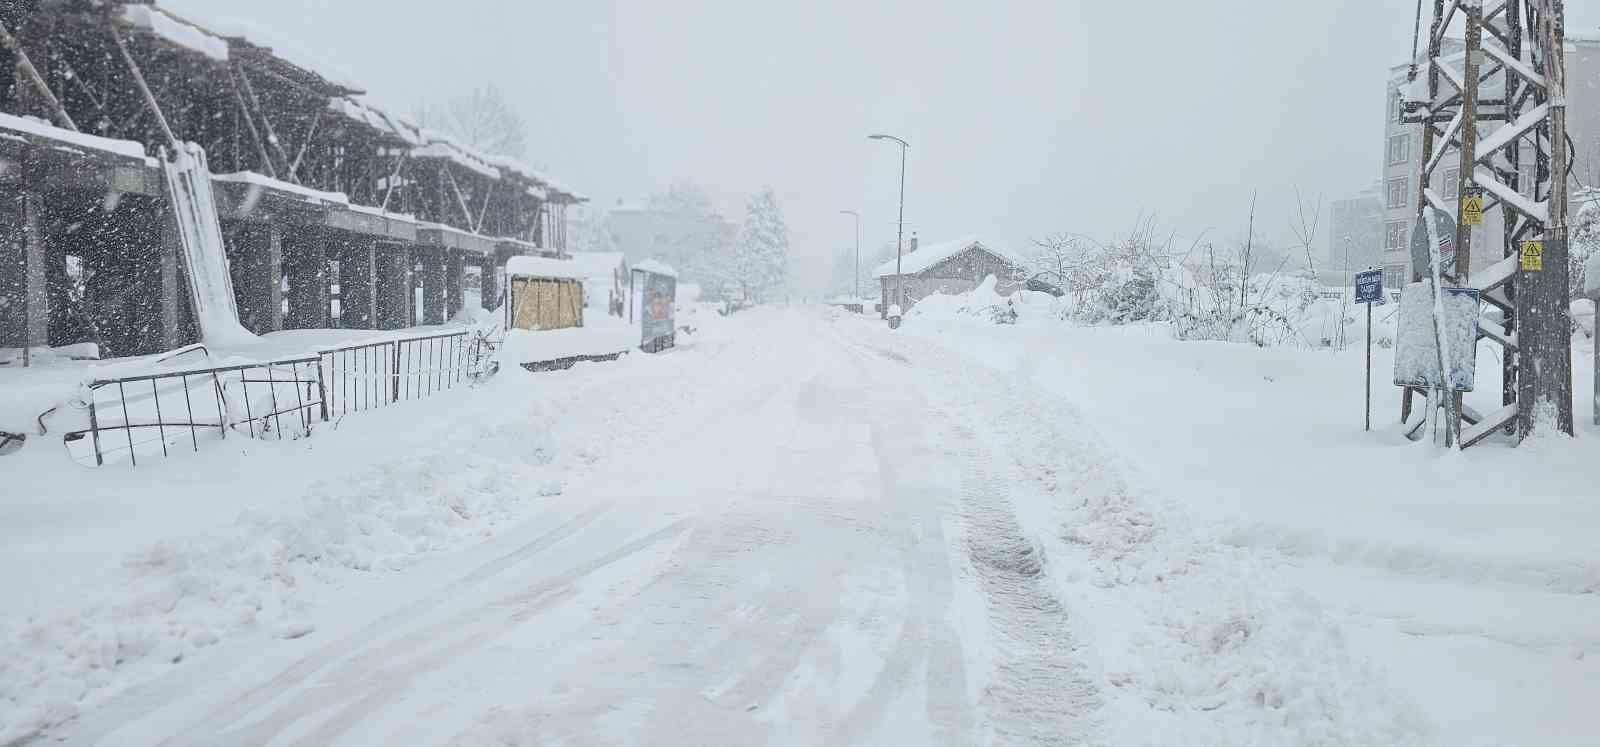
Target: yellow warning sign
[1472,210]
[1533,256]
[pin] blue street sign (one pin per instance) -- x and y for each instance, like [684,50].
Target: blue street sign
[1369,287]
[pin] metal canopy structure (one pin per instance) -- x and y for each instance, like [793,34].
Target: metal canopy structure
[1493,100]
[316,187]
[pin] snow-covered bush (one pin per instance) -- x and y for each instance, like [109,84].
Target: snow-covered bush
[1116,283]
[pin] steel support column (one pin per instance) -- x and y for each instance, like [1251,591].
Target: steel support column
[255,263]
[357,283]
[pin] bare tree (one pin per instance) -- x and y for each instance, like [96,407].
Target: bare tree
[482,119]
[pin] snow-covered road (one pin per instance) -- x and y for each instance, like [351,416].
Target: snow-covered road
[818,548]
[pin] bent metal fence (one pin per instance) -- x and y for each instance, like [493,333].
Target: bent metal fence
[370,375]
[148,415]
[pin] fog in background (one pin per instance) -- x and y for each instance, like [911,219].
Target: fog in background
[1024,117]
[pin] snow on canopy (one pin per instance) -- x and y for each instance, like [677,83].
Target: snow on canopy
[262,180]
[543,267]
[173,30]
[363,111]
[441,145]
[282,46]
[40,128]
[656,267]
[188,23]
[929,255]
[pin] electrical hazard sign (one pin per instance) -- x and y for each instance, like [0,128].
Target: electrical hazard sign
[1533,256]
[1472,208]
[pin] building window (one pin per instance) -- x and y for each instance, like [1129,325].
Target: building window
[1398,187]
[1394,276]
[1394,239]
[1452,183]
[1395,107]
[1399,148]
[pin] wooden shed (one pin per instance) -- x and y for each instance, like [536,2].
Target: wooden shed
[544,293]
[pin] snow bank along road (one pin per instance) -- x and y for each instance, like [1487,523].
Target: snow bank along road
[799,529]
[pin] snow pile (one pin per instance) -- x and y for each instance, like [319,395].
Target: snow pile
[525,346]
[178,597]
[983,303]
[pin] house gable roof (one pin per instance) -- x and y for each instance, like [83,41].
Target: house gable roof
[926,257]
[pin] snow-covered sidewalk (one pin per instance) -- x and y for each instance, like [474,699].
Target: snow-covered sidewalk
[1464,583]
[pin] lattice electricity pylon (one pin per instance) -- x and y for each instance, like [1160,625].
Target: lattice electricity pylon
[1511,52]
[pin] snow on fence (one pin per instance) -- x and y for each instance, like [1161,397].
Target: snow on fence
[371,375]
[157,414]
[150,414]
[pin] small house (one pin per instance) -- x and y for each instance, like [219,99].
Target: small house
[949,267]
[544,293]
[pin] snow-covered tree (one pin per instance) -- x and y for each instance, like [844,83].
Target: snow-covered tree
[761,258]
[681,227]
[1583,241]
[482,119]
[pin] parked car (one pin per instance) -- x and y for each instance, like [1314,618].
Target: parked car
[1039,283]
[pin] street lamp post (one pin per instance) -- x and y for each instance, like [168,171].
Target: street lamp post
[900,229]
[856,291]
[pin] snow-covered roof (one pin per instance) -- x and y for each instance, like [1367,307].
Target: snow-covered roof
[262,180]
[929,255]
[173,30]
[506,163]
[543,267]
[39,127]
[656,267]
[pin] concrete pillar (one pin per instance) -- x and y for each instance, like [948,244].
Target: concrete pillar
[433,295]
[392,301]
[305,265]
[357,283]
[455,278]
[255,260]
[24,299]
[489,283]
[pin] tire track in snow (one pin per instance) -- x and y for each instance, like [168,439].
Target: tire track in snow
[384,672]
[1040,688]
[331,653]
[926,642]
[394,680]
[1039,692]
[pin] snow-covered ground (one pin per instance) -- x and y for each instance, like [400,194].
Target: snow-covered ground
[1466,582]
[800,527]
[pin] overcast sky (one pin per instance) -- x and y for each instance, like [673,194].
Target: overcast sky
[1024,117]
